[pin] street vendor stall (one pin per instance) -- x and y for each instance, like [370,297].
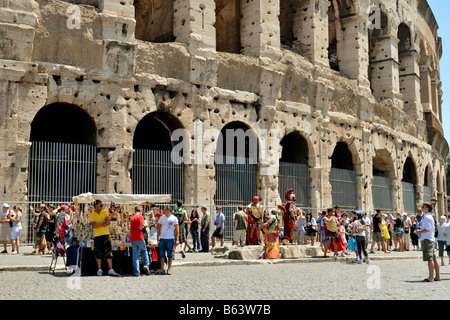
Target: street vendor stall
[121,210]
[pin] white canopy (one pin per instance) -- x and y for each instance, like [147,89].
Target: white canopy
[122,198]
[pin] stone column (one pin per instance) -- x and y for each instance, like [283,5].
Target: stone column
[194,25]
[260,29]
[435,88]
[410,89]
[352,48]
[311,30]
[317,181]
[384,72]
[114,159]
[425,88]
[118,26]
[17,26]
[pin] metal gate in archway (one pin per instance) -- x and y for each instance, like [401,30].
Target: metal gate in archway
[295,176]
[426,194]
[382,193]
[344,188]
[156,172]
[58,172]
[409,204]
[235,185]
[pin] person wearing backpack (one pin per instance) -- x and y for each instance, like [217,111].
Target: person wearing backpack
[359,231]
[181,214]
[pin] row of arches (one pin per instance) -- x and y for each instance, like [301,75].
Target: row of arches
[153,170]
[392,48]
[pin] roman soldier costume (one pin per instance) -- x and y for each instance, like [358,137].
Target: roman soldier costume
[289,213]
[254,210]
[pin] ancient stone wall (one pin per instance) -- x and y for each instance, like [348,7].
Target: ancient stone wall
[262,63]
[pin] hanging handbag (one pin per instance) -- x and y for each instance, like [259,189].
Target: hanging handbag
[352,244]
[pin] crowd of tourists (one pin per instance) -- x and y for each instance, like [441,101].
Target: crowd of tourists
[339,232]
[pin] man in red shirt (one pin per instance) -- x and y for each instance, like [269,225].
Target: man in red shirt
[138,243]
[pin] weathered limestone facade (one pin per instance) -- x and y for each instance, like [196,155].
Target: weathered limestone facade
[211,62]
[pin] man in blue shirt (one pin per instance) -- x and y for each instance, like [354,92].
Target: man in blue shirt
[427,239]
[220,227]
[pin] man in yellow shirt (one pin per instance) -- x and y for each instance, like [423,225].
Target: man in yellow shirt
[100,221]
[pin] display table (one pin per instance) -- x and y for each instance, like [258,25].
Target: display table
[122,262]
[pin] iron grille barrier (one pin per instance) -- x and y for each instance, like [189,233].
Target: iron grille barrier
[344,188]
[382,193]
[295,176]
[155,172]
[426,194]
[409,204]
[235,185]
[57,173]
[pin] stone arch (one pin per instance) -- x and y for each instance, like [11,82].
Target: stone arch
[228,26]
[63,154]
[404,38]
[67,119]
[383,165]
[344,171]
[157,167]
[342,157]
[384,187]
[294,167]
[295,148]
[154,20]
[409,173]
[245,141]
[154,131]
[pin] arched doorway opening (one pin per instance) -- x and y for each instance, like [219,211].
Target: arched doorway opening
[235,170]
[154,170]
[294,169]
[63,155]
[383,175]
[343,178]
[409,182]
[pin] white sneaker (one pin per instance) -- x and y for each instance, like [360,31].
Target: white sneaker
[113,273]
[359,261]
[146,270]
[367,260]
[100,272]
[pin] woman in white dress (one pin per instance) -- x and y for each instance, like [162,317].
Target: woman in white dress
[17,227]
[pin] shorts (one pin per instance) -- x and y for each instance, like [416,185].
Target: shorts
[378,236]
[240,235]
[40,234]
[217,234]
[166,246]
[182,236]
[102,247]
[332,236]
[399,233]
[428,250]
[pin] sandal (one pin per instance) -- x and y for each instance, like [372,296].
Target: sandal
[426,280]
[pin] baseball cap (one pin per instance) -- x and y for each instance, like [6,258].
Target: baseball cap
[5,205]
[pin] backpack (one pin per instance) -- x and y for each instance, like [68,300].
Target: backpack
[178,214]
[361,228]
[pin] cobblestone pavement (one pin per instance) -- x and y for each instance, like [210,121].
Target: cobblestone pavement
[398,278]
